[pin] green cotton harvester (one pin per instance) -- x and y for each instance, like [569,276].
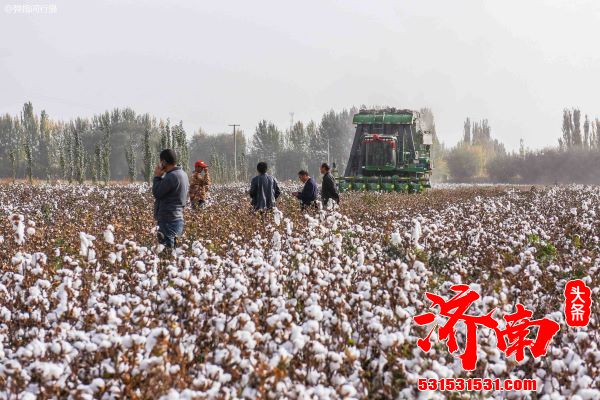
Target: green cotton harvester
[390,153]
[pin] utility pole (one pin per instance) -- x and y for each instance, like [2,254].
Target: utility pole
[234,153]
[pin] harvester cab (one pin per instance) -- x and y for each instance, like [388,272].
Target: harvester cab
[390,152]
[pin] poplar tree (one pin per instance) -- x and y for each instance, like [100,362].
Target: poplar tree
[130,156]
[44,156]
[97,163]
[567,137]
[181,146]
[586,133]
[576,128]
[105,126]
[467,131]
[30,128]
[147,170]
[78,151]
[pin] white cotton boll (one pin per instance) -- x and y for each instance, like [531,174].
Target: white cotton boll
[337,241]
[415,234]
[153,338]
[276,242]
[314,312]
[277,215]
[304,269]
[246,338]
[140,266]
[375,326]
[19,228]
[584,381]
[310,326]
[172,395]
[30,231]
[588,394]
[316,242]
[387,340]
[47,370]
[112,257]
[297,338]
[273,320]
[86,241]
[498,367]
[108,235]
[289,226]
[360,256]
[557,366]
[97,384]
[1,239]
[18,259]
[513,270]
[5,314]
[396,238]
[55,348]
[348,391]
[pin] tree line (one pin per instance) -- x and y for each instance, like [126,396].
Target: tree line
[117,144]
[121,144]
[480,158]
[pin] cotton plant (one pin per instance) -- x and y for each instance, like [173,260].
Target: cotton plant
[18,225]
[86,246]
[317,306]
[109,237]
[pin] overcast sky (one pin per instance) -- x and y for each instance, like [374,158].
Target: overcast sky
[213,63]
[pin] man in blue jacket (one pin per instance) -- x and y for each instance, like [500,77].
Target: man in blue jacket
[308,195]
[170,189]
[264,189]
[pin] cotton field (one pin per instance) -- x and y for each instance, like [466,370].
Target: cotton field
[288,305]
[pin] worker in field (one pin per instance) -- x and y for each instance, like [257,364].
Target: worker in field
[170,189]
[308,195]
[264,189]
[199,184]
[329,189]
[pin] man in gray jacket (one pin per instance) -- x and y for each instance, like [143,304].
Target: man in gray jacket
[170,189]
[264,189]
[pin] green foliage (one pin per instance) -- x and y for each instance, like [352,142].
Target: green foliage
[267,142]
[464,162]
[130,155]
[218,152]
[30,132]
[148,156]
[547,167]
[504,168]
[533,239]
[577,241]
[304,146]
[545,251]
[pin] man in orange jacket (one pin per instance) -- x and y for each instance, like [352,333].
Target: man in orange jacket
[199,184]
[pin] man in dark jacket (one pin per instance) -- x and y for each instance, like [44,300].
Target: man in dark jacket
[170,189]
[328,188]
[264,189]
[308,195]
